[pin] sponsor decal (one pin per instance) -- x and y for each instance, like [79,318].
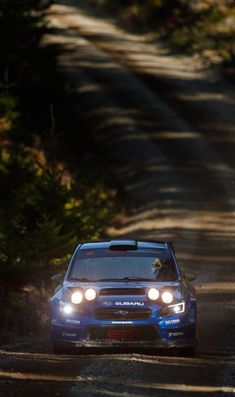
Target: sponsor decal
[170,322]
[122,334]
[69,335]
[122,322]
[74,322]
[170,334]
[129,303]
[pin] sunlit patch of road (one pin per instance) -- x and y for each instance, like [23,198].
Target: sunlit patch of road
[35,377]
[148,375]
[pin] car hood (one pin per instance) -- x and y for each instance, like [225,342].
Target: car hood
[121,284]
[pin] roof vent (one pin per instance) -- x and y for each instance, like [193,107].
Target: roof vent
[123,245]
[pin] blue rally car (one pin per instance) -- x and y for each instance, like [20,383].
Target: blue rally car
[124,293]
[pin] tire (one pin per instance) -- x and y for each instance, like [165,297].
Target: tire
[61,350]
[187,351]
[56,349]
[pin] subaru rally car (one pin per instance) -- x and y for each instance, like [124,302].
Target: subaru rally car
[124,293]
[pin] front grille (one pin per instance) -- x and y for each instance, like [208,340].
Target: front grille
[122,314]
[127,333]
[122,291]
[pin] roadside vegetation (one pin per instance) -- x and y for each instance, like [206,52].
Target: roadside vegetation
[54,187]
[206,27]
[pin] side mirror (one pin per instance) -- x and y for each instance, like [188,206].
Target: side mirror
[189,276]
[57,278]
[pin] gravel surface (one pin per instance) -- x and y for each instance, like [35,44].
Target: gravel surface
[167,124]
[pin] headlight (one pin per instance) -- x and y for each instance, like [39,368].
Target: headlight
[178,308]
[66,308]
[167,297]
[153,294]
[76,297]
[90,294]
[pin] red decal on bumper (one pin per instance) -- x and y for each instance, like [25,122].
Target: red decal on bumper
[122,334]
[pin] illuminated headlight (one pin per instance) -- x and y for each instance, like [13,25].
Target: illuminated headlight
[90,294]
[76,297]
[153,294]
[178,308]
[167,297]
[66,308]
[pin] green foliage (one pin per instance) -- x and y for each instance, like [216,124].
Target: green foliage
[31,206]
[42,219]
[195,30]
[45,207]
[48,200]
[8,103]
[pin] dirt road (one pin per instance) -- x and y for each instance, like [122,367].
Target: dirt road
[168,125]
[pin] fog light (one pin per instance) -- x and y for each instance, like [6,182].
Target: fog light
[167,297]
[66,308]
[153,294]
[76,297]
[90,294]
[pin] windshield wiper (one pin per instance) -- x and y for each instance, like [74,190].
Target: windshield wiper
[137,278]
[112,279]
[126,279]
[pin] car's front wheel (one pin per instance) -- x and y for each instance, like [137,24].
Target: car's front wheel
[188,351]
[56,349]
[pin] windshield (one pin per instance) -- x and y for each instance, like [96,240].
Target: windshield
[103,264]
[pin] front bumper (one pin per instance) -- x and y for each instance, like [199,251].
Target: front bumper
[125,336]
[90,327]
[126,344]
